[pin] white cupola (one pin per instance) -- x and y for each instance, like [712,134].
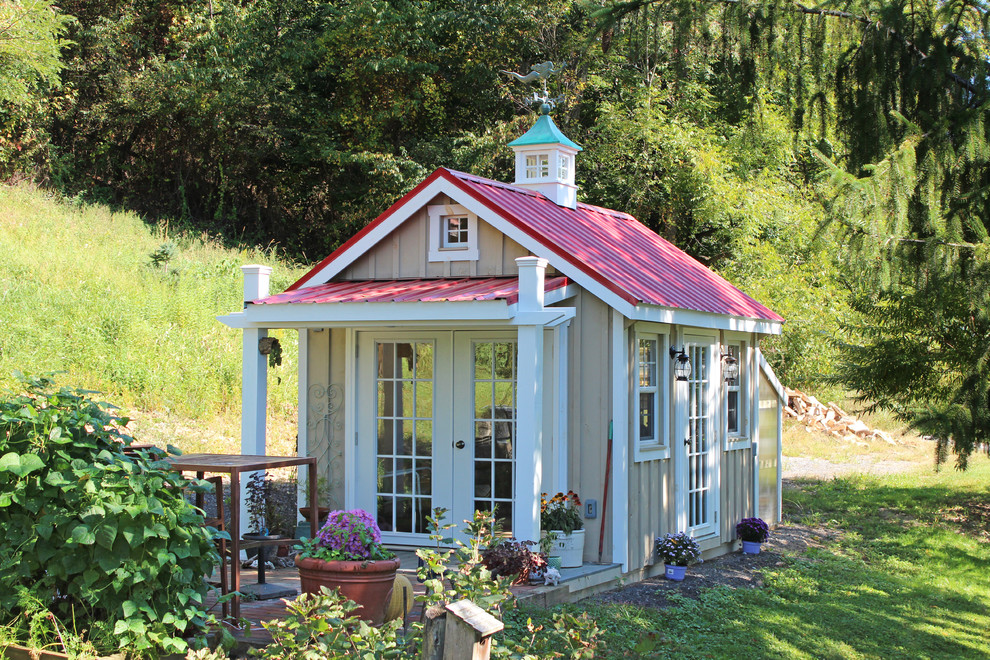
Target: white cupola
[545,161]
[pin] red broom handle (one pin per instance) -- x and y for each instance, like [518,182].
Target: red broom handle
[608,473]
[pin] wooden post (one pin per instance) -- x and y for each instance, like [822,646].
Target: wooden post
[434,627]
[468,633]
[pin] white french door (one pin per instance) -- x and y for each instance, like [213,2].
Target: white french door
[699,501]
[436,428]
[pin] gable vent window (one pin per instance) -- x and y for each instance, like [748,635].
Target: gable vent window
[537,166]
[453,233]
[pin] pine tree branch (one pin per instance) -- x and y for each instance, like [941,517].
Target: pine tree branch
[613,14]
[878,26]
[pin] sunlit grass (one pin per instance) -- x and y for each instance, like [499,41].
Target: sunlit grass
[905,577]
[79,294]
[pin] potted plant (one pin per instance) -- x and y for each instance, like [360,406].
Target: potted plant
[753,532]
[347,554]
[258,489]
[322,495]
[513,559]
[561,515]
[676,551]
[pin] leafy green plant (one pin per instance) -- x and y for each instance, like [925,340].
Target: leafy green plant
[460,572]
[322,626]
[94,537]
[565,636]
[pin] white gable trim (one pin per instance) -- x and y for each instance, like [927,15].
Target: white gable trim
[771,376]
[443,186]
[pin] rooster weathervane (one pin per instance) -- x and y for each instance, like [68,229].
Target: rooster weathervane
[540,72]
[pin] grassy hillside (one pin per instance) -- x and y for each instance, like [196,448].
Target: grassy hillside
[80,293]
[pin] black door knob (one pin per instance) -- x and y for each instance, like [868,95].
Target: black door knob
[459,444]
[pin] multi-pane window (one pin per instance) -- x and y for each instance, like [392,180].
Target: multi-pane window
[649,390]
[455,231]
[537,166]
[563,166]
[495,428]
[733,403]
[404,417]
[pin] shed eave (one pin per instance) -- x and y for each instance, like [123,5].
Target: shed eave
[700,319]
[301,315]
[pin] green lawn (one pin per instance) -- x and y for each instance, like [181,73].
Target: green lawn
[80,294]
[906,577]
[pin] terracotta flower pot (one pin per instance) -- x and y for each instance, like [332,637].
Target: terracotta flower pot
[321,511]
[367,583]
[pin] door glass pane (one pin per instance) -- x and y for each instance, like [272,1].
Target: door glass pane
[404,387]
[700,444]
[495,426]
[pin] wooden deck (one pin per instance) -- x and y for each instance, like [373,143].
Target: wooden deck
[576,583]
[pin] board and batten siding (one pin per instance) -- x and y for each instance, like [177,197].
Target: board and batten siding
[404,254]
[589,407]
[737,491]
[322,431]
[651,482]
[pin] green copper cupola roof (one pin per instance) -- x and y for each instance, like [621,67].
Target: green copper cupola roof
[544,131]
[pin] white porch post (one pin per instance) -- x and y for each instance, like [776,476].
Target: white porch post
[254,379]
[529,403]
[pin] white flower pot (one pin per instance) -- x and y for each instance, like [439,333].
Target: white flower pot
[569,547]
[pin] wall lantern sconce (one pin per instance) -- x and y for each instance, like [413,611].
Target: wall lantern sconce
[730,367]
[682,363]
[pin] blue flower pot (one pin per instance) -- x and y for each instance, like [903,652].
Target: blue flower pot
[554,562]
[675,573]
[751,547]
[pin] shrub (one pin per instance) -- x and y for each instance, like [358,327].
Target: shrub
[92,536]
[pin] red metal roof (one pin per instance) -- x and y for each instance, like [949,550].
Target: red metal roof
[435,290]
[612,247]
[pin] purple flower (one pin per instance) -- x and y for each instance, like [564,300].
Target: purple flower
[349,535]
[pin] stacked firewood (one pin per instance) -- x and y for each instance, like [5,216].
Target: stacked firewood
[830,419]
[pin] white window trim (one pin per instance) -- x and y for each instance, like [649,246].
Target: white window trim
[742,439]
[469,252]
[658,449]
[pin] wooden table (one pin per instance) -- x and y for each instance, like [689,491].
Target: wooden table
[235,465]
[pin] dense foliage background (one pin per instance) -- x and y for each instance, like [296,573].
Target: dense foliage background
[829,159]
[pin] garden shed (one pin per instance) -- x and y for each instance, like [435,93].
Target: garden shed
[481,343]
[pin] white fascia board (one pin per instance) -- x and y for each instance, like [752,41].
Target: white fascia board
[771,376]
[296,315]
[688,317]
[559,294]
[372,238]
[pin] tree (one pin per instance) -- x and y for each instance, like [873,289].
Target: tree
[891,97]
[31,39]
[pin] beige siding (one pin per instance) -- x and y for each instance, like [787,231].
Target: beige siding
[325,409]
[651,483]
[405,253]
[590,407]
[737,491]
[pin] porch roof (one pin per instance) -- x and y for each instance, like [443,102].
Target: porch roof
[416,290]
